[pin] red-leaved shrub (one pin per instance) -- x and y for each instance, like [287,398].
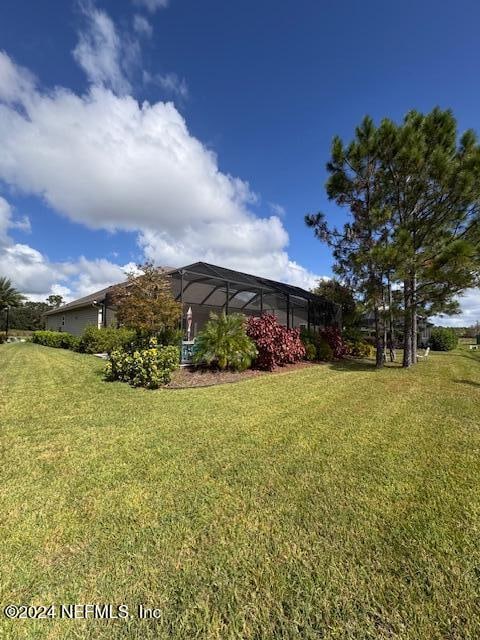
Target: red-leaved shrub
[276,344]
[334,338]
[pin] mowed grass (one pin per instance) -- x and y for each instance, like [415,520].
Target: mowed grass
[330,502]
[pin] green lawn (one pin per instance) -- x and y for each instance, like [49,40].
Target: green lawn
[329,502]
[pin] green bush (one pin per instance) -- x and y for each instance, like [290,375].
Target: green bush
[70,342]
[307,336]
[316,342]
[148,368]
[310,351]
[105,339]
[3,338]
[309,339]
[352,334]
[47,338]
[360,349]
[170,336]
[324,350]
[224,343]
[443,339]
[56,339]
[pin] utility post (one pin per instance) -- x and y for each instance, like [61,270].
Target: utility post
[7,321]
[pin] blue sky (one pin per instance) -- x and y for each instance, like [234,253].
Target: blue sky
[229,153]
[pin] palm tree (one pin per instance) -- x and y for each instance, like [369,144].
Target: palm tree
[9,297]
[224,343]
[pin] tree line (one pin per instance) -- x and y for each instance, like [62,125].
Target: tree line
[19,313]
[411,243]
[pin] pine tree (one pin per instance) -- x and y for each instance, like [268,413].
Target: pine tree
[355,182]
[432,187]
[334,291]
[413,191]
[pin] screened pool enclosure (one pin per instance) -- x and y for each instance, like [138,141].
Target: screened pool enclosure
[202,288]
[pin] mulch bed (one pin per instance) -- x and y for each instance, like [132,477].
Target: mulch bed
[188,377]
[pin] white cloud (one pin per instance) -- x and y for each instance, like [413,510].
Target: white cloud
[255,249]
[109,59]
[93,275]
[142,26]
[16,83]
[34,275]
[22,264]
[29,270]
[106,58]
[470,311]
[151,5]
[8,222]
[5,221]
[105,161]
[23,224]
[277,209]
[168,82]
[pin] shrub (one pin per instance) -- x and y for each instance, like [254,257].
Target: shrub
[292,347]
[224,343]
[310,351]
[3,338]
[276,344]
[308,336]
[360,349]
[69,341]
[328,343]
[443,339]
[165,337]
[105,340]
[56,339]
[170,336]
[324,350]
[148,368]
[47,338]
[352,334]
[334,338]
[309,340]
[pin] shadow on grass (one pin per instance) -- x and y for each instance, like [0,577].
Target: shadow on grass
[470,383]
[361,365]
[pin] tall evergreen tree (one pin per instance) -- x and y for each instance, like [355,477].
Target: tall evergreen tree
[334,291]
[356,182]
[413,191]
[432,188]
[55,301]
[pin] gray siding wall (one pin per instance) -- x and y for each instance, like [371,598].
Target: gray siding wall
[75,320]
[111,318]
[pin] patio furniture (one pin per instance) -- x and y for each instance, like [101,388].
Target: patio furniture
[423,356]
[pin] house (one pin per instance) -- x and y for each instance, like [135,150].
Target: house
[424,328]
[202,288]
